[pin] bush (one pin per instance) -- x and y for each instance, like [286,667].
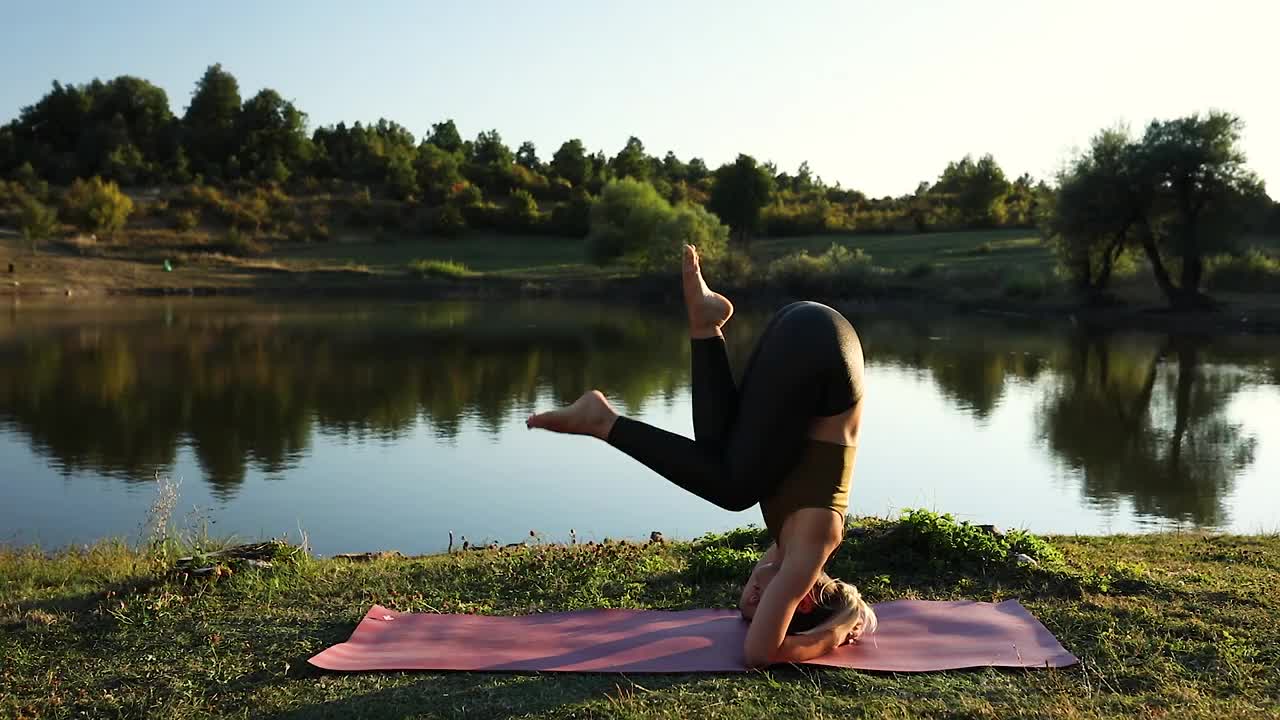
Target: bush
[521,212]
[97,206]
[936,543]
[186,220]
[573,218]
[237,242]
[632,222]
[37,221]
[836,271]
[1026,285]
[1253,272]
[440,269]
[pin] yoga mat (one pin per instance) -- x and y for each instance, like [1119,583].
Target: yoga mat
[914,636]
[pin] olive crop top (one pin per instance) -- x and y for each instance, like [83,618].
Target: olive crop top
[821,479]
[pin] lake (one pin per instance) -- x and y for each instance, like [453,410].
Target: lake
[382,425]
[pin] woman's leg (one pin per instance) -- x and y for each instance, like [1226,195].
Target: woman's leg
[747,439]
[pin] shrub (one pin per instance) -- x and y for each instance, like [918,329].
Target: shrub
[632,222]
[440,269]
[1025,284]
[521,212]
[97,206]
[37,221]
[573,218]
[237,242]
[185,220]
[1253,272]
[838,270]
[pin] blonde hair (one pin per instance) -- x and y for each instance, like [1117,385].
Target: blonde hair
[846,604]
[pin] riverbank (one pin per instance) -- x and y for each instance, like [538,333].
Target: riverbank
[1165,625]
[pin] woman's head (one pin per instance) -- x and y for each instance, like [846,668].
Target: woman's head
[831,602]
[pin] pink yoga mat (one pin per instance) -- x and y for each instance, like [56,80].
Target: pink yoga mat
[914,636]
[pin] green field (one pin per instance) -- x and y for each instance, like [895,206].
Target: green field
[556,257]
[1169,625]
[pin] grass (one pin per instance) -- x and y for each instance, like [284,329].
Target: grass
[440,269]
[1172,625]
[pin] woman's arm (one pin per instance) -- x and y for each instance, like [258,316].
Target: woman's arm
[767,640]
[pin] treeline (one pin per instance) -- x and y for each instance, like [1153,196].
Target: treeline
[123,130]
[245,172]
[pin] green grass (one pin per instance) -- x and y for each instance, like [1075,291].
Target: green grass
[536,257]
[440,269]
[1172,625]
[947,251]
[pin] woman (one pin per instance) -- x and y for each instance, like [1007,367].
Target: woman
[785,439]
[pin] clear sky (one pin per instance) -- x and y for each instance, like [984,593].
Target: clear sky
[875,95]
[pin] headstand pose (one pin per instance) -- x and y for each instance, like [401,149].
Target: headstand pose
[785,439]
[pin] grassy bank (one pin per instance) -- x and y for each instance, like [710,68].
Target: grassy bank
[1175,625]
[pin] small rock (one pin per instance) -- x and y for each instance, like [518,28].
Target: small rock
[258,563]
[1023,559]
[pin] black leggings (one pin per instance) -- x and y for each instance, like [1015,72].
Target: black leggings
[807,363]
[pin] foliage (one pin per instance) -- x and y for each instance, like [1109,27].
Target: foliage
[210,123]
[976,190]
[632,221]
[839,270]
[97,206]
[740,193]
[572,163]
[440,269]
[1252,272]
[37,221]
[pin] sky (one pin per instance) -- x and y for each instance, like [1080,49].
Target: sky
[877,96]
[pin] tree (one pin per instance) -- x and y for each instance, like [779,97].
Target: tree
[273,139]
[673,169]
[97,206]
[209,124]
[1192,185]
[37,222]
[631,161]
[976,190]
[445,136]
[438,170]
[527,156]
[572,163]
[1094,216]
[740,192]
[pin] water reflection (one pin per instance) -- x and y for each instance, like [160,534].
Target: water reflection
[1135,418]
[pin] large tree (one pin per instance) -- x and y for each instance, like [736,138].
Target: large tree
[210,122]
[445,136]
[1094,215]
[273,137]
[631,161]
[975,189]
[572,163]
[741,190]
[1193,187]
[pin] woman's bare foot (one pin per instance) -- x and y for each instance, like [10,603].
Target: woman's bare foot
[708,310]
[590,414]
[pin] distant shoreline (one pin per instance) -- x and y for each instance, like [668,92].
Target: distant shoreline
[1234,317]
